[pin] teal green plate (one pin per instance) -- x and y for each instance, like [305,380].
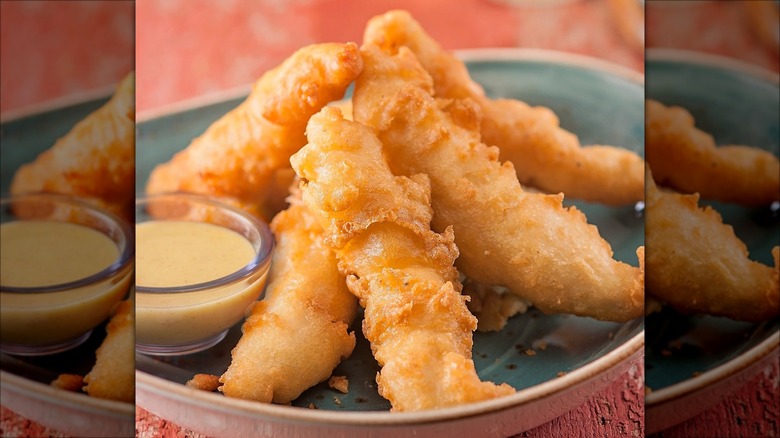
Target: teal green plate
[25,380]
[688,356]
[600,103]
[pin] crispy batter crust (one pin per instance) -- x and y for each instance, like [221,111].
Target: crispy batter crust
[113,375]
[299,332]
[244,156]
[527,242]
[696,263]
[95,160]
[545,155]
[686,159]
[415,317]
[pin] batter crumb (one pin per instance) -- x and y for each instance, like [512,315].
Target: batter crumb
[69,382]
[204,382]
[339,383]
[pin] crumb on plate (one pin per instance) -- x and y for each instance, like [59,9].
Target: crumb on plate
[204,382]
[339,383]
[492,305]
[69,382]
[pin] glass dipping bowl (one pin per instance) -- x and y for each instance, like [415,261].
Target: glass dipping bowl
[49,317]
[186,319]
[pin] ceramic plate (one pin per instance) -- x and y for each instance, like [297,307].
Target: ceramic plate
[25,380]
[694,361]
[599,102]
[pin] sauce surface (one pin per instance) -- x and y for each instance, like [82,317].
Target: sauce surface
[45,253]
[181,253]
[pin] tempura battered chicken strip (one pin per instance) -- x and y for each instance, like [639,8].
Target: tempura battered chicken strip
[544,155]
[295,336]
[686,159]
[94,161]
[113,376]
[527,242]
[415,317]
[696,263]
[245,154]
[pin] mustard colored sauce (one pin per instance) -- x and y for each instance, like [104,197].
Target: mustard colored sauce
[45,253]
[179,253]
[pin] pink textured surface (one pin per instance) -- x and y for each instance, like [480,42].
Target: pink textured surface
[52,49]
[751,411]
[717,27]
[188,48]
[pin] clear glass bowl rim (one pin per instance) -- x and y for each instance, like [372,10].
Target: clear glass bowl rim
[260,261]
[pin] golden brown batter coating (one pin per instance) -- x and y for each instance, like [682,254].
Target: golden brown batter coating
[696,263]
[113,376]
[527,242]
[299,332]
[687,159]
[95,160]
[415,317]
[545,155]
[245,154]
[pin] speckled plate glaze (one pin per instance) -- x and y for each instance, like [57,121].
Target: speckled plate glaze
[599,102]
[24,381]
[692,362]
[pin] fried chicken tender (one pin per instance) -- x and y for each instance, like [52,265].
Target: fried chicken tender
[244,156]
[113,376]
[297,335]
[696,263]
[527,242]
[545,155]
[686,159]
[415,317]
[94,161]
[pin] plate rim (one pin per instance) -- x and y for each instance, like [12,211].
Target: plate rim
[61,397]
[632,347]
[694,384]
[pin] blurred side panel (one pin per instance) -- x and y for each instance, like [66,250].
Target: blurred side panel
[712,218]
[67,122]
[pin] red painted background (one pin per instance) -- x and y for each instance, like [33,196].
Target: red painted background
[52,49]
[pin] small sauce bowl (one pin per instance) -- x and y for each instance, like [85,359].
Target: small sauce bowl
[187,317]
[43,312]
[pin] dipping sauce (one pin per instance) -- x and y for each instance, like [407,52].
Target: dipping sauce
[40,254]
[176,254]
[46,253]
[179,253]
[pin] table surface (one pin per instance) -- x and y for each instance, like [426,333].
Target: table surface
[219,45]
